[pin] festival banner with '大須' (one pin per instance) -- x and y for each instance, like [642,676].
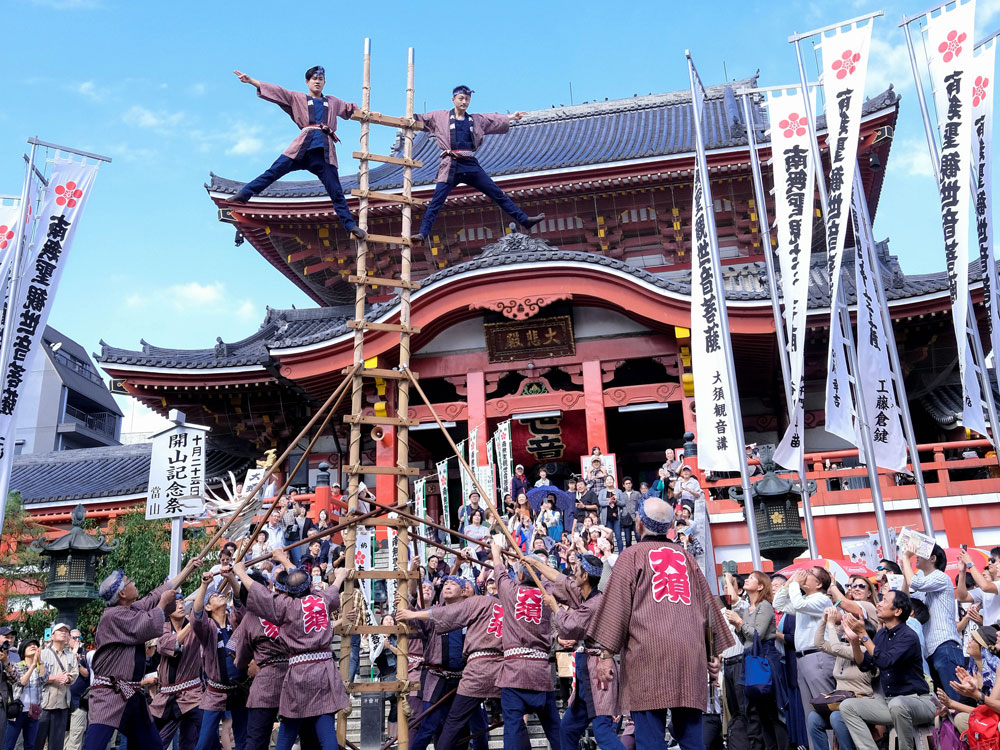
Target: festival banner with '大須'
[794,176]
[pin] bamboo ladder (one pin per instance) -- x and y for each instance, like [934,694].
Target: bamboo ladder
[397,426]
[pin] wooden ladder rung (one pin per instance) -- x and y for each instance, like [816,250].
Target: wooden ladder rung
[375,629]
[378,118]
[380,372]
[380,281]
[399,523]
[367,325]
[386,574]
[371,419]
[391,197]
[375,687]
[366,155]
[409,471]
[388,239]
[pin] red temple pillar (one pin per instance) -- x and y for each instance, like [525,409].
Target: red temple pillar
[828,536]
[385,455]
[957,525]
[476,399]
[593,402]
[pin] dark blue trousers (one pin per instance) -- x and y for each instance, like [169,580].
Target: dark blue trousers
[324,728]
[685,726]
[474,176]
[574,724]
[312,161]
[25,725]
[189,726]
[260,722]
[942,664]
[136,727]
[516,704]
[431,725]
[465,718]
[208,738]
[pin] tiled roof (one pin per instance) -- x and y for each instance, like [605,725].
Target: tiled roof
[565,137]
[288,328]
[111,471]
[944,402]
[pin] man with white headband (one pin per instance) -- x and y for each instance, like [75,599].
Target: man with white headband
[119,663]
[656,590]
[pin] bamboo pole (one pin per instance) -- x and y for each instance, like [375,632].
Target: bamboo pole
[339,392]
[267,475]
[482,492]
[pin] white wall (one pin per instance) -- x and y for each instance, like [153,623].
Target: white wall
[597,322]
[465,336]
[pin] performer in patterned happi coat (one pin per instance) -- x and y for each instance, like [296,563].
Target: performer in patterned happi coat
[659,614]
[443,663]
[116,697]
[525,682]
[224,691]
[175,706]
[460,133]
[312,692]
[591,701]
[258,648]
[313,148]
[482,619]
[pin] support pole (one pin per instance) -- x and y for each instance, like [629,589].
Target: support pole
[845,320]
[971,324]
[779,330]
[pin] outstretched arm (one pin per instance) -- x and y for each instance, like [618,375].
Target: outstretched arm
[244,78]
[193,564]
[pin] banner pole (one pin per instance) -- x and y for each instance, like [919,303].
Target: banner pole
[865,221]
[779,329]
[860,406]
[701,164]
[13,288]
[971,324]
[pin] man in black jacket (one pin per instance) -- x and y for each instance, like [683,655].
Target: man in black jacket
[586,501]
[895,652]
[626,515]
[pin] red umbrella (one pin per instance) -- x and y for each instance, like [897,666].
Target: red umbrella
[841,570]
[979,556]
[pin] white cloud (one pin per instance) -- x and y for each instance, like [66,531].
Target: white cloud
[146,118]
[890,63]
[130,153]
[90,90]
[183,296]
[247,310]
[135,300]
[246,146]
[910,155]
[986,11]
[198,89]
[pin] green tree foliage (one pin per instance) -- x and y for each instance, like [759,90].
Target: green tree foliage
[143,552]
[22,570]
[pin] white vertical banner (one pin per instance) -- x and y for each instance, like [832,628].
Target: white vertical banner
[845,69]
[474,448]
[466,477]
[982,159]
[487,479]
[60,209]
[442,473]
[10,216]
[952,72]
[505,456]
[874,370]
[794,178]
[714,395]
[363,557]
[420,506]
[391,584]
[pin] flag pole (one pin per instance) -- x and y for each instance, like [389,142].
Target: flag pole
[779,329]
[13,287]
[701,164]
[971,324]
[840,303]
[865,222]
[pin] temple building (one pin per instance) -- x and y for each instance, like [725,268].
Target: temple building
[578,331]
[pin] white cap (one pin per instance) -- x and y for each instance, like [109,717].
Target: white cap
[60,625]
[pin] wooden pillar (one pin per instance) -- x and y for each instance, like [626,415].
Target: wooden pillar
[957,525]
[476,400]
[593,402]
[828,537]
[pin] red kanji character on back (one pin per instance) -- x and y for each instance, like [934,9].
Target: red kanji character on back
[270,629]
[496,621]
[670,575]
[314,614]
[529,604]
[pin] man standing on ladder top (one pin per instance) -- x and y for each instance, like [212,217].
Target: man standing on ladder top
[460,133]
[313,148]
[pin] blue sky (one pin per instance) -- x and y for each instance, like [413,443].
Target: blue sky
[151,85]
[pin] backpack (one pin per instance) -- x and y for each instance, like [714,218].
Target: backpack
[982,733]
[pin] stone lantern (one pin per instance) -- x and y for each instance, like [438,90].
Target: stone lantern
[776,507]
[73,561]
